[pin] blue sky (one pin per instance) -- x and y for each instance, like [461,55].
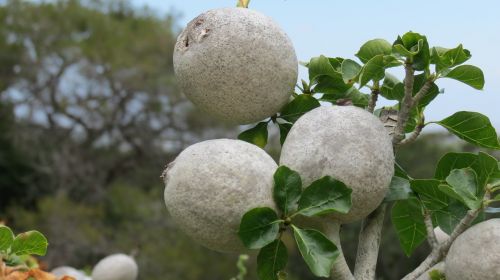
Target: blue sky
[339,28]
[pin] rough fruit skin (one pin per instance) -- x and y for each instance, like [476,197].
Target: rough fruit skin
[235,64]
[211,184]
[347,143]
[116,267]
[475,254]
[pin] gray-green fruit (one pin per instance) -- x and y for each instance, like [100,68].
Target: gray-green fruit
[346,143]
[235,64]
[211,184]
[475,254]
[116,267]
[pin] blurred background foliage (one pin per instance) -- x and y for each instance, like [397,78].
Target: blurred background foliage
[89,116]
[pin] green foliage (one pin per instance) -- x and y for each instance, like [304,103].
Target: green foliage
[258,227]
[437,275]
[399,189]
[462,185]
[468,74]
[287,189]
[408,220]
[317,250]
[16,250]
[256,135]
[298,106]
[261,227]
[373,48]
[325,195]
[271,260]
[472,127]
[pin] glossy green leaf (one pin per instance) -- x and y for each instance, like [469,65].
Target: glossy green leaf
[256,135]
[325,195]
[400,172]
[298,106]
[428,191]
[415,47]
[333,84]
[287,189]
[284,129]
[271,260]
[30,243]
[408,221]
[467,74]
[447,58]
[258,227]
[392,88]
[350,70]
[318,251]
[464,183]
[449,217]
[472,127]
[487,171]
[352,94]
[319,66]
[452,161]
[372,48]
[6,238]
[374,69]
[399,189]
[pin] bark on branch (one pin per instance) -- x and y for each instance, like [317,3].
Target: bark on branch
[340,270]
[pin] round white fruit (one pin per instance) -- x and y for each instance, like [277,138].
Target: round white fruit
[116,267]
[475,254]
[235,64]
[211,184]
[61,271]
[348,144]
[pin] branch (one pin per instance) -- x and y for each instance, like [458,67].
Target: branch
[438,253]
[413,136]
[431,235]
[369,243]
[405,106]
[340,270]
[423,91]
[373,100]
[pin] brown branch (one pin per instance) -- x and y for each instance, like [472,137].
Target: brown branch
[423,91]
[373,100]
[405,105]
[413,137]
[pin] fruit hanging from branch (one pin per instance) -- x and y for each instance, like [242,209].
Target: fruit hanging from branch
[211,184]
[236,64]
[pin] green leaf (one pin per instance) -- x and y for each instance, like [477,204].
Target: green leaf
[298,106]
[319,66]
[353,94]
[399,189]
[447,58]
[258,227]
[449,217]
[400,172]
[350,70]
[452,161]
[472,127]
[415,47]
[372,48]
[436,275]
[318,251]
[324,196]
[256,135]
[287,189]
[428,191]
[284,129]
[467,74]
[408,220]
[271,260]
[30,243]
[392,88]
[488,171]
[333,84]
[6,238]
[463,183]
[374,69]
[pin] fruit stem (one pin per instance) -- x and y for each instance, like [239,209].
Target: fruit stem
[242,3]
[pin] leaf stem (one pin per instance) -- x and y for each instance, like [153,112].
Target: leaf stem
[373,97]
